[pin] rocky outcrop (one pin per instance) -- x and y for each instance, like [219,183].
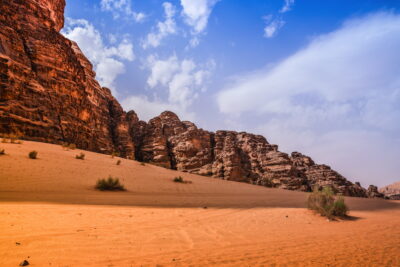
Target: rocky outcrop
[391,191]
[171,143]
[48,92]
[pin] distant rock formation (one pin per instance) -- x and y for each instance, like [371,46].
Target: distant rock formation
[48,93]
[391,191]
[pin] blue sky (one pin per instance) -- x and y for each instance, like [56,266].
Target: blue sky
[320,77]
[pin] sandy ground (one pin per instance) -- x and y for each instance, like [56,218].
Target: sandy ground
[51,215]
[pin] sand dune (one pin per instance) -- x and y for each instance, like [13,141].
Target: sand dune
[49,207]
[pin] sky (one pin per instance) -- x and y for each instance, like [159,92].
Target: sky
[319,77]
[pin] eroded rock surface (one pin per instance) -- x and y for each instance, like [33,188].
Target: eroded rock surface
[48,90]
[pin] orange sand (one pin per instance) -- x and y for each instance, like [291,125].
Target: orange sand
[50,208]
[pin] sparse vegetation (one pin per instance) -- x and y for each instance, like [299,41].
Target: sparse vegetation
[118,162]
[72,146]
[325,203]
[80,156]
[114,154]
[33,154]
[2,152]
[142,163]
[109,184]
[179,179]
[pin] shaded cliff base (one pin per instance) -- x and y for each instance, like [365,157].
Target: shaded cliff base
[49,205]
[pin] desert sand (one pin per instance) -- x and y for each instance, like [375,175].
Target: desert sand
[51,215]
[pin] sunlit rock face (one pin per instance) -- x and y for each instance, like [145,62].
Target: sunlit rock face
[48,93]
[48,87]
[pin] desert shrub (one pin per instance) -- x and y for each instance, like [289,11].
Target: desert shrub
[109,184]
[339,207]
[114,154]
[179,179]
[2,152]
[72,146]
[80,156]
[325,203]
[118,162]
[33,154]
[142,163]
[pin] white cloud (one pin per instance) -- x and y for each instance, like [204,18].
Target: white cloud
[108,61]
[196,13]
[163,29]
[120,8]
[183,79]
[342,90]
[287,6]
[272,26]
[148,109]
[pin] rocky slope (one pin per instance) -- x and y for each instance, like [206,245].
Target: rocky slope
[391,191]
[48,92]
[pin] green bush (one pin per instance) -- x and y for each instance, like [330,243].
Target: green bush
[109,184]
[33,154]
[80,156]
[325,203]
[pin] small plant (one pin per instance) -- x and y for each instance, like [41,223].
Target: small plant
[72,146]
[33,154]
[179,179]
[80,156]
[114,154]
[2,152]
[325,203]
[109,184]
[142,163]
[118,162]
[4,140]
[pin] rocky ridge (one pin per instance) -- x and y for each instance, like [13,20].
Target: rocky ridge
[391,191]
[48,93]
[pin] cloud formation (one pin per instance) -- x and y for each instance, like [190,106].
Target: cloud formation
[108,61]
[196,13]
[287,6]
[163,28]
[342,91]
[272,26]
[184,79]
[121,8]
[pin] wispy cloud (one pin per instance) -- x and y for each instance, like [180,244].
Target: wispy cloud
[163,28]
[121,9]
[343,82]
[108,61]
[272,26]
[287,6]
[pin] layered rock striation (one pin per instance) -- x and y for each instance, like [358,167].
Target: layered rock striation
[48,92]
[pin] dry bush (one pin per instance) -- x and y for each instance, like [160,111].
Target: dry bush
[325,203]
[2,151]
[109,184]
[80,156]
[179,179]
[118,162]
[33,154]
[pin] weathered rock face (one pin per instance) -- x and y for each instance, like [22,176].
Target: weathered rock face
[171,143]
[48,93]
[48,90]
[373,192]
[391,191]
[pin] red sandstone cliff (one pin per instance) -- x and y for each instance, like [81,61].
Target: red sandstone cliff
[48,92]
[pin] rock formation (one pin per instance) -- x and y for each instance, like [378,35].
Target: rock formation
[48,92]
[391,191]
